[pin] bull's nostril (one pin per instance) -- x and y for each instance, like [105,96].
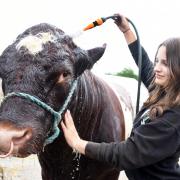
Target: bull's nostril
[22,137]
[17,137]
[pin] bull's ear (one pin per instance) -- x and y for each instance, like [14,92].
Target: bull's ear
[86,59]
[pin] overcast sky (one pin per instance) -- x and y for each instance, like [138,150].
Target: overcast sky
[155,20]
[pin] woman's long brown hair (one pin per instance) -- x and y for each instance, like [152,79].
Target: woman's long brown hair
[162,98]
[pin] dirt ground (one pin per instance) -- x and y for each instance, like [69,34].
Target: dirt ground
[20,169]
[25,169]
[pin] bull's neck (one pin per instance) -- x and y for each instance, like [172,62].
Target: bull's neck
[86,104]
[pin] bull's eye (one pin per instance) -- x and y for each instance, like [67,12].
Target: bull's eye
[65,74]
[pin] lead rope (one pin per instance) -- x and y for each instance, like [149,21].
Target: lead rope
[57,115]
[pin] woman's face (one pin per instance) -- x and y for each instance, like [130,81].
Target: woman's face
[161,69]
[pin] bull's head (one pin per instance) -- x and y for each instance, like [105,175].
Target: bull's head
[42,62]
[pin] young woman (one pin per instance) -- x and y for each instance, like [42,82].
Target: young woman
[152,151]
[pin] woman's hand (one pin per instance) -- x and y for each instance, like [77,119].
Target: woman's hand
[122,23]
[71,134]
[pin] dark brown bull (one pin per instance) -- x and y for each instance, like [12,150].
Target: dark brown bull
[43,62]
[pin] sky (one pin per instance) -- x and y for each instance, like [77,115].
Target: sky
[155,20]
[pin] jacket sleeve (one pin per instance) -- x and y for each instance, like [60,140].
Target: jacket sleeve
[148,144]
[147,72]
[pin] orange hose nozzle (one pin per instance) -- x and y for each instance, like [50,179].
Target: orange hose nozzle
[98,22]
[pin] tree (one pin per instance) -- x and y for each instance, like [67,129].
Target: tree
[127,72]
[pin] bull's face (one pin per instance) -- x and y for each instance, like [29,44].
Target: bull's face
[42,62]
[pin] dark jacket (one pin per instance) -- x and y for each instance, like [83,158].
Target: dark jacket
[152,151]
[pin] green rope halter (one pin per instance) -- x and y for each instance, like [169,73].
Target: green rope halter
[57,115]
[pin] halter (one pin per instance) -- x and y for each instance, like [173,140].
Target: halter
[57,115]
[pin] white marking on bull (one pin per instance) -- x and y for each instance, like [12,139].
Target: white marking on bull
[34,44]
[125,101]
[128,118]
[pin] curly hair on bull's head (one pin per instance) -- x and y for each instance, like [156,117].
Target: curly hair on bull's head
[45,38]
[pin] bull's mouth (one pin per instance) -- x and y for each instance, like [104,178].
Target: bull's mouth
[15,141]
[15,150]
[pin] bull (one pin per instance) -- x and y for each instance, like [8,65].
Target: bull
[44,73]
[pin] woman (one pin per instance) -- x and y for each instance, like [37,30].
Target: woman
[153,148]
